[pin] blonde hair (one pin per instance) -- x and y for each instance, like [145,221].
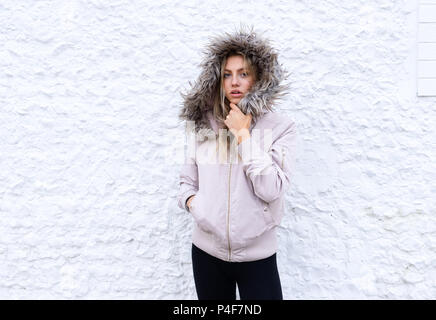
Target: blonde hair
[220,109]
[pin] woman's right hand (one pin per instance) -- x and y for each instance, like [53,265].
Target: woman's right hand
[189,202]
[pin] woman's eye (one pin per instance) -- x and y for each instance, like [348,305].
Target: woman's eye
[244,74]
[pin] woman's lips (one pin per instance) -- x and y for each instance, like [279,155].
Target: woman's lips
[236,94]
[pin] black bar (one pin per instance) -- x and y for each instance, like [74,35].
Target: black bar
[194,309]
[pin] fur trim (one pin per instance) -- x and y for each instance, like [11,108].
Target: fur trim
[267,89]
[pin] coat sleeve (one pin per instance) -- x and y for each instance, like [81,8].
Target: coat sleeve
[270,172]
[188,181]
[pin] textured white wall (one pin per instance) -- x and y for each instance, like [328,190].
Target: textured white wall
[89,97]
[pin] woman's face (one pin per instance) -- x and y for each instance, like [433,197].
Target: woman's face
[237,80]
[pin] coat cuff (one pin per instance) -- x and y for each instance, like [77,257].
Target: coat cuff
[185,198]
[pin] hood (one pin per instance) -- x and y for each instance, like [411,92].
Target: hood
[198,101]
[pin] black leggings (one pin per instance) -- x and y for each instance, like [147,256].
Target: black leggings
[216,279]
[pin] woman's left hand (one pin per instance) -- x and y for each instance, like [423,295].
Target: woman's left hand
[238,123]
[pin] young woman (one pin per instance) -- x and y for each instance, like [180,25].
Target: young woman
[234,180]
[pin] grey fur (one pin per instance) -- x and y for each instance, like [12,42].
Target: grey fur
[267,89]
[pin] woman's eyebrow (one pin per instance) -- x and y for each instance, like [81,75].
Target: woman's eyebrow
[236,70]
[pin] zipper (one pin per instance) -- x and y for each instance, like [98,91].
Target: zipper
[228,215]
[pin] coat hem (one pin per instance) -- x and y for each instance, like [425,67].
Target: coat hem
[259,248]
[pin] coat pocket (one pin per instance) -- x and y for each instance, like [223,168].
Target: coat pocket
[199,215]
[255,221]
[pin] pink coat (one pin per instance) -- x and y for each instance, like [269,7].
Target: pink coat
[238,204]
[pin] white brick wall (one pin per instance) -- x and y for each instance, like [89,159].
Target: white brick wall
[89,96]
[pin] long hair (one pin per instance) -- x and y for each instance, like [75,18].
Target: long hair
[221,105]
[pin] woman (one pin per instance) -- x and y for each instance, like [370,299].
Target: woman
[238,202]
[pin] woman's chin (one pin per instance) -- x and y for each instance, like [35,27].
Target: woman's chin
[235,100]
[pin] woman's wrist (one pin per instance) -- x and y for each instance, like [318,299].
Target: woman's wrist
[243,134]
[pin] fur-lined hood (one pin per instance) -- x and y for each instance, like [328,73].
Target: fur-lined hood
[266,90]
